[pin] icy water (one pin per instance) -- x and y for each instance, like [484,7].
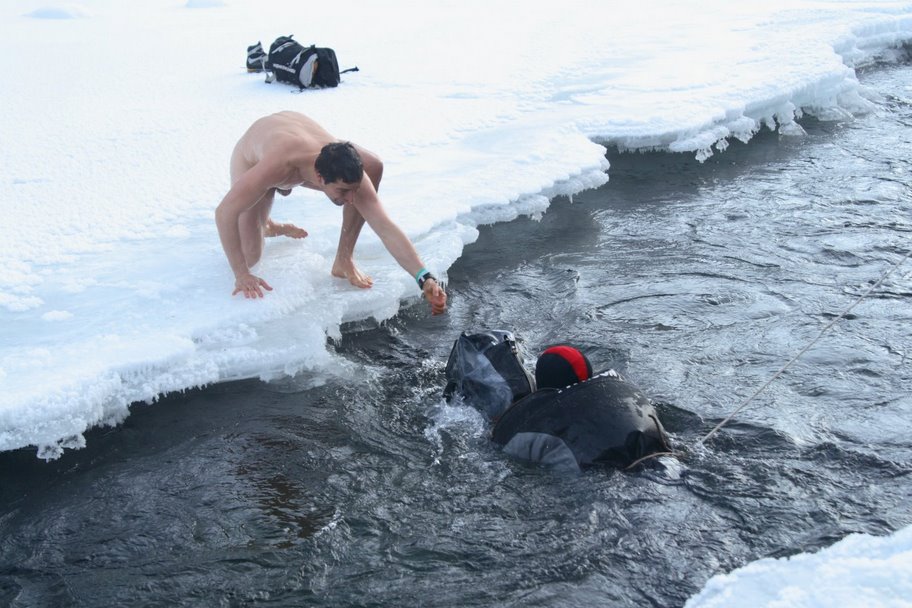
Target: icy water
[697,281]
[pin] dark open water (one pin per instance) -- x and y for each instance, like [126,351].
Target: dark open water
[698,281]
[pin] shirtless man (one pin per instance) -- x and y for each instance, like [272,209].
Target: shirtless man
[288,149]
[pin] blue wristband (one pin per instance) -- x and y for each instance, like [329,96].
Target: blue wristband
[424,279]
[420,274]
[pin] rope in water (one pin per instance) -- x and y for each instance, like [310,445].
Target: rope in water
[882,278]
[648,456]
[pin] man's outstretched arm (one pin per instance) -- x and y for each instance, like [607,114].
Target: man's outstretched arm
[397,243]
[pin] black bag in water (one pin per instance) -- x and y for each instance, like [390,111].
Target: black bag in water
[485,369]
[293,63]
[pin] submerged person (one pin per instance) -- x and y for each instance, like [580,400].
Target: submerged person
[288,149]
[575,418]
[569,418]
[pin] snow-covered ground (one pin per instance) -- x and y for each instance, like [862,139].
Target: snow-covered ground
[857,572]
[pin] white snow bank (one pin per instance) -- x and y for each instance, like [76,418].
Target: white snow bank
[859,571]
[204,3]
[67,11]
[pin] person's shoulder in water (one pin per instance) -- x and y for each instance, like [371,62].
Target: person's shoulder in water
[576,419]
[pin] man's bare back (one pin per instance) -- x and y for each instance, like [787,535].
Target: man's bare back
[287,135]
[281,151]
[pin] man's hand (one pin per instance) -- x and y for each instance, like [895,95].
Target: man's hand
[436,296]
[250,285]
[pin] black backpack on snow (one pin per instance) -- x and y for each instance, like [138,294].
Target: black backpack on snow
[292,62]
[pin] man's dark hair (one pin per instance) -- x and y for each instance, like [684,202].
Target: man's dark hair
[339,160]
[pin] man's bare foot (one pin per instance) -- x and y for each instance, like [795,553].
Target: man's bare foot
[354,276]
[276,229]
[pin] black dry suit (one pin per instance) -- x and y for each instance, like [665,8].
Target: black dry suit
[604,420]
